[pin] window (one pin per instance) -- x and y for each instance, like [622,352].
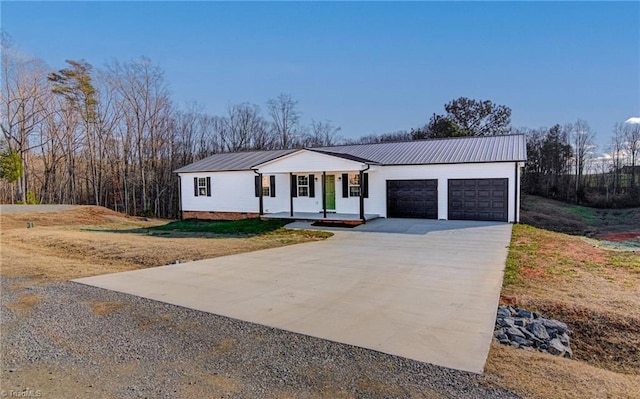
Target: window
[303,186]
[354,185]
[202,186]
[266,186]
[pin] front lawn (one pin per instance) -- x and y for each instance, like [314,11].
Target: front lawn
[236,227]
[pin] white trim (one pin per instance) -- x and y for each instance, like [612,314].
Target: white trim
[306,161]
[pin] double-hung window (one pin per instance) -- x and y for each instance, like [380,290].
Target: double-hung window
[266,186]
[202,186]
[354,185]
[303,186]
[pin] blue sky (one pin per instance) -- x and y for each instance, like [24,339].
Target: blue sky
[368,67]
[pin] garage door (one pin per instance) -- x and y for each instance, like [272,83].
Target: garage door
[478,199]
[412,199]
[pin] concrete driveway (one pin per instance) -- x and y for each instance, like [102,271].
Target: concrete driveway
[421,289]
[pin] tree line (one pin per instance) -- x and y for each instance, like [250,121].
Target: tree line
[112,136]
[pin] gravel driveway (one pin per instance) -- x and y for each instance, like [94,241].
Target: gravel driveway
[79,340]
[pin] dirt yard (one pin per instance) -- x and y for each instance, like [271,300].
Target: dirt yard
[62,339]
[91,240]
[72,341]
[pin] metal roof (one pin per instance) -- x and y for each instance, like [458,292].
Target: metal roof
[233,161]
[505,148]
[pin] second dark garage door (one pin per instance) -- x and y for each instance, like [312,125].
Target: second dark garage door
[412,199]
[478,199]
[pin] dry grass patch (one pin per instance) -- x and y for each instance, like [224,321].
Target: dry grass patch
[103,308]
[225,345]
[25,303]
[540,375]
[80,216]
[67,249]
[597,293]
[552,266]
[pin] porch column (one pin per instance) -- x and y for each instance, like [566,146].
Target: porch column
[291,193]
[261,201]
[324,194]
[364,220]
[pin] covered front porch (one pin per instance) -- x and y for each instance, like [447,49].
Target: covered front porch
[321,187]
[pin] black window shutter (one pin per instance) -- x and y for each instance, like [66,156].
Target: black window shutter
[257,182]
[365,188]
[345,185]
[195,186]
[294,186]
[208,186]
[312,186]
[272,183]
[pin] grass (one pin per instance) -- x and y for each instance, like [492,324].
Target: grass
[594,290]
[521,251]
[538,375]
[589,215]
[578,220]
[104,308]
[90,241]
[232,227]
[25,303]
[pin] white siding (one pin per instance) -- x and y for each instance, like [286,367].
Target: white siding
[234,191]
[379,175]
[305,161]
[279,203]
[230,192]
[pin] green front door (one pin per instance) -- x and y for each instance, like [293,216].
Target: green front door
[330,192]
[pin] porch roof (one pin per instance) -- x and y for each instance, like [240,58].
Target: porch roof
[306,160]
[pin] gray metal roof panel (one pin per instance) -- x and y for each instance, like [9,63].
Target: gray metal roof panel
[233,161]
[506,148]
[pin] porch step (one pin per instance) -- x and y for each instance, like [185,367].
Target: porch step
[337,223]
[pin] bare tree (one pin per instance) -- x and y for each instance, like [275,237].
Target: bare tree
[322,134]
[617,150]
[146,108]
[23,104]
[285,119]
[242,123]
[632,141]
[582,141]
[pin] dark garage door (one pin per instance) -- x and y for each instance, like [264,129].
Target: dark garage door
[478,199]
[412,199]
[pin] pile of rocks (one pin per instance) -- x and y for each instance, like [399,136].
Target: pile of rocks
[521,328]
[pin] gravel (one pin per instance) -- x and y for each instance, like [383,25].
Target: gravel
[79,340]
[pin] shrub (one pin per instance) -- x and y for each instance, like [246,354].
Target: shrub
[31,198]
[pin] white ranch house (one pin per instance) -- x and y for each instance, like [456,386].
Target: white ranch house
[471,178]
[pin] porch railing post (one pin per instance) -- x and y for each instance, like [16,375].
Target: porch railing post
[291,192]
[324,194]
[261,206]
[361,179]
